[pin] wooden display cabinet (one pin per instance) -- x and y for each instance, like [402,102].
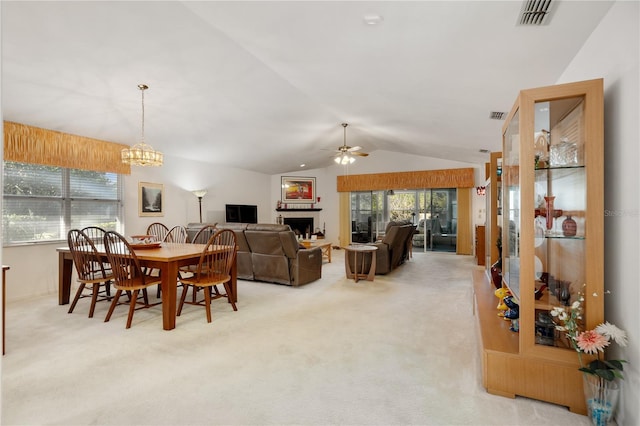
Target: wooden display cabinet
[552,147]
[493,210]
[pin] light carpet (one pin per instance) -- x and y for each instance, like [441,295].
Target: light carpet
[401,350]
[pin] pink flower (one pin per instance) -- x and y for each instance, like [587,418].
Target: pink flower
[591,342]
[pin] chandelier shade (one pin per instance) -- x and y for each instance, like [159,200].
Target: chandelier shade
[142,154]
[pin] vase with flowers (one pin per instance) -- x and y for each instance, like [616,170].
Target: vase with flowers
[601,377]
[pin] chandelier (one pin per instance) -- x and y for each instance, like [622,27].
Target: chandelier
[142,154]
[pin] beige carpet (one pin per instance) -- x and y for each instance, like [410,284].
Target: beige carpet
[397,351]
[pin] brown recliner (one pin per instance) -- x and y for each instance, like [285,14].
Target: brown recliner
[271,253]
[392,250]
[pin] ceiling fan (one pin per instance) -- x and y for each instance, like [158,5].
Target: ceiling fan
[345,153]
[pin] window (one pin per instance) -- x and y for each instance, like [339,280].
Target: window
[41,203]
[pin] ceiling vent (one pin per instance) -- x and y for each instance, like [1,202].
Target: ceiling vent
[497,115]
[535,12]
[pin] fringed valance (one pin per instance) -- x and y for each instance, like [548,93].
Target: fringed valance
[445,178]
[28,144]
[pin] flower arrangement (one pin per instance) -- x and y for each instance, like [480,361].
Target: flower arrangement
[590,341]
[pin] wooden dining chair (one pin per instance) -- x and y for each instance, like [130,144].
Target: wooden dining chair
[93,278]
[214,268]
[158,230]
[177,234]
[204,234]
[96,234]
[128,275]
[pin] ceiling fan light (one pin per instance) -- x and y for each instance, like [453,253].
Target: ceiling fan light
[344,159]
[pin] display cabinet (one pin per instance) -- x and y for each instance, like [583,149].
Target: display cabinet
[493,210]
[552,239]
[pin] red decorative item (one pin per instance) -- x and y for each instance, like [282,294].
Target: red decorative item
[550,212]
[569,227]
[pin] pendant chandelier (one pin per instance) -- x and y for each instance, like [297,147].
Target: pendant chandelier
[142,154]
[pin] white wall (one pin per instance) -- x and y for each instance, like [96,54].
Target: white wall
[612,53]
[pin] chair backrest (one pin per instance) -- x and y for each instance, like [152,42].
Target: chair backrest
[217,257]
[85,256]
[204,234]
[95,233]
[124,262]
[177,234]
[158,230]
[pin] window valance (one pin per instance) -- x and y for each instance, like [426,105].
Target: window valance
[28,144]
[445,178]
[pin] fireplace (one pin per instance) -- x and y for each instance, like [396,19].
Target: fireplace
[300,225]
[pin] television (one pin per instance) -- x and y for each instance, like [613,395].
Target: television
[241,213]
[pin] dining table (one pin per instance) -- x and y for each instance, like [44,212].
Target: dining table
[167,257]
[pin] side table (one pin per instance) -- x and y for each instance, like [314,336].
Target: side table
[324,245]
[358,268]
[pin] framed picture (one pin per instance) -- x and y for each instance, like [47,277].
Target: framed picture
[296,189]
[150,199]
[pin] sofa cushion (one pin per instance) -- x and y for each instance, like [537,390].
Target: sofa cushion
[264,242]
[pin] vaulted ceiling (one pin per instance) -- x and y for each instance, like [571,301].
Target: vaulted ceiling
[265,86]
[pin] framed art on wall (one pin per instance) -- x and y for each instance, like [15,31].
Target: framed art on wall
[150,199]
[297,189]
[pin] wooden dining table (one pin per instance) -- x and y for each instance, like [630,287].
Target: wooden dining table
[167,258]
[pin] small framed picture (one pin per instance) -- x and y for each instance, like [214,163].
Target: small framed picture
[150,199]
[296,189]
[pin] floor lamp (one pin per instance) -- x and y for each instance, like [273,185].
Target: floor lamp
[200,193]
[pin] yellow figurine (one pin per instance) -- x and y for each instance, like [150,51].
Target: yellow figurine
[501,293]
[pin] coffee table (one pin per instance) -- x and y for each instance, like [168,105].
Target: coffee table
[325,246]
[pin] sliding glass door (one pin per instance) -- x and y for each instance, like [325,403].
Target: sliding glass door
[434,211]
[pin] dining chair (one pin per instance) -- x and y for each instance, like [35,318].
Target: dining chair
[92,275]
[204,234]
[96,234]
[214,268]
[177,234]
[158,230]
[128,275]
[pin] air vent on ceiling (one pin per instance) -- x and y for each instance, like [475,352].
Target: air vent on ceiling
[497,115]
[535,12]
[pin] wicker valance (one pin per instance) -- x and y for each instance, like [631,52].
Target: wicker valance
[445,178]
[28,144]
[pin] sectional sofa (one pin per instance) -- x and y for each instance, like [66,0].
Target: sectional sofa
[271,253]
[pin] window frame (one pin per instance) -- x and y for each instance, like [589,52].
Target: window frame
[66,200]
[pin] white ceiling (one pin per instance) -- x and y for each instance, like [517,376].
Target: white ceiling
[265,85]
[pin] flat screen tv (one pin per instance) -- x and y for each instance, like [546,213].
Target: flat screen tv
[241,213]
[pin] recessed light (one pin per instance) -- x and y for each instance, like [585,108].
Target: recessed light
[372,19]
[302,165]
[485,151]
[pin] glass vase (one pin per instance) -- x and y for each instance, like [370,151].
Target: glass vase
[601,397]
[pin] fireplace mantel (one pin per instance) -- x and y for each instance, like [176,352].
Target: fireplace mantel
[298,210]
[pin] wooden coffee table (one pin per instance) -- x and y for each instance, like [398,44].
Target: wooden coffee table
[324,245]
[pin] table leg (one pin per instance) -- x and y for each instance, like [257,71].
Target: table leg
[65,268]
[372,269]
[4,298]
[355,266]
[169,274]
[329,253]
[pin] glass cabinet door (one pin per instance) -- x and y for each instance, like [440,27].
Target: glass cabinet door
[511,205]
[560,206]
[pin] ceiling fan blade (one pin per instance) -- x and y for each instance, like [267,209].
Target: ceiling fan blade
[361,154]
[354,148]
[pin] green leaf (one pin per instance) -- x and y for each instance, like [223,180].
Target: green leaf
[614,364]
[606,374]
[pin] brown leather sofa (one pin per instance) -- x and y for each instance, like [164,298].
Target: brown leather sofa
[393,249]
[271,253]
